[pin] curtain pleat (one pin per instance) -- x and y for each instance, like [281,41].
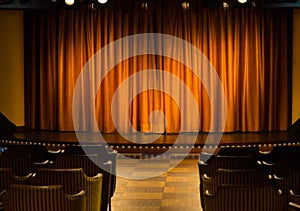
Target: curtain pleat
[248,48]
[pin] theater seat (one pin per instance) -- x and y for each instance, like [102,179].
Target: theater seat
[105,155]
[90,169]
[246,177]
[45,198]
[227,162]
[293,201]
[73,181]
[245,198]
[215,162]
[21,166]
[281,159]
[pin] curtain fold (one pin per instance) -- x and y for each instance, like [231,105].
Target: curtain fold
[247,47]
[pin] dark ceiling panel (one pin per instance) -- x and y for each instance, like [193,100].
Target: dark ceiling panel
[52,4]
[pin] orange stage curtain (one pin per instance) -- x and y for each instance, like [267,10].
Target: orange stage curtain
[248,48]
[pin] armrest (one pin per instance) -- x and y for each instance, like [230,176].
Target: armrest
[76,201]
[265,152]
[43,163]
[94,191]
[24,179]
[2,198]
[277,177]
[280,182]
[205,176]
[294,194]
[207,193]
[97,177]
[112,155]
[280,192]
[109,162]
[55,151]
[3,193]
[208,183]
[267,164]
[203,163]
[294,205]
[76,195]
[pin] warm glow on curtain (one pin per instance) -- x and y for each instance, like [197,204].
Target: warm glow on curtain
[247,47]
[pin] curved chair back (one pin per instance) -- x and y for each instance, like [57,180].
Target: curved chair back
[20,166]
[73,181]
[90,169]
[36,153]
[101,151]
[46,198]
[246,198]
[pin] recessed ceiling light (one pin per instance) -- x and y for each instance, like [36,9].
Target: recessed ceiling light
[102,1]
[69,2]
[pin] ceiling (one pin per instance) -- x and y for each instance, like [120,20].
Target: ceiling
[52,4]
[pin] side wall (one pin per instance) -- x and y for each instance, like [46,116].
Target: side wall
[12,66]
[296,67]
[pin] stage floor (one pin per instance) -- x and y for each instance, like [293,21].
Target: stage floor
[153,142]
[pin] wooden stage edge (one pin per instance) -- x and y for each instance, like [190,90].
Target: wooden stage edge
[153,143]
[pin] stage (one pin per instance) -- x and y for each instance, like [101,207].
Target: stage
[151,143]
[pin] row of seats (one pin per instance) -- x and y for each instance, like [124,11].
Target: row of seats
[19,194]
[249,178]
[47,198]
[93,165]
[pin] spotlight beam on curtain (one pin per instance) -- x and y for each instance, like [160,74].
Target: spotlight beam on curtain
[247,47]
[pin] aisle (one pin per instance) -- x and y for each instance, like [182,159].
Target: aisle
[177,189]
